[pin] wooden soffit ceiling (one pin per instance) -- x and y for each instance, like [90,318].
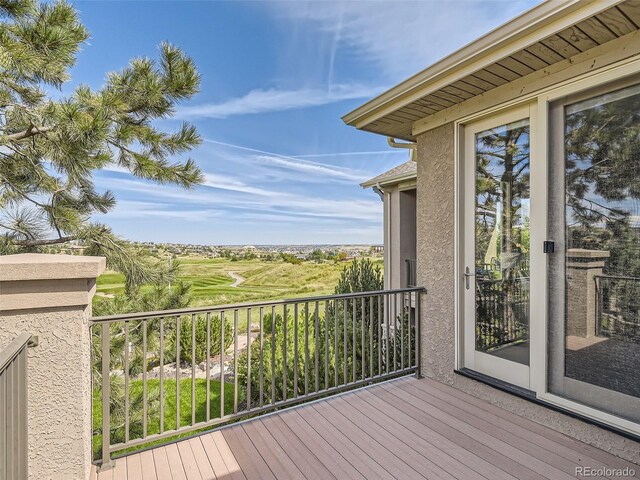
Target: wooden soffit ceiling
[412,101]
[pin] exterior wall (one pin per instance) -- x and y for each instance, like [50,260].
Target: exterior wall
[50,296]
[392,195]
[407,231]
[436,272]
[399,234]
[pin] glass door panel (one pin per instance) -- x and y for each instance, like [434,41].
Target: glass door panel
[496,235]
[502,241]
[594,326]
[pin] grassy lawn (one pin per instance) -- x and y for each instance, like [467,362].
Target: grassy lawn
[153,425]
[211,283]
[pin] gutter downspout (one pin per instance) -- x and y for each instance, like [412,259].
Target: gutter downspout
[379,191]
[413,146]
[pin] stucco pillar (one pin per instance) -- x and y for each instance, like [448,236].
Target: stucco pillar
[50,296]
[436,251]
[582,268]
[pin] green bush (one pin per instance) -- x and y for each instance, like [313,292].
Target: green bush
[290,258]
[360,276]
[186,334]
[335,324]
[338,331]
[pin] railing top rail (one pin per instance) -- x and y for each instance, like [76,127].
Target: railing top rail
[218,308]
[13,349]
[617,277]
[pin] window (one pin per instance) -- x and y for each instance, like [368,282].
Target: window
[594,279]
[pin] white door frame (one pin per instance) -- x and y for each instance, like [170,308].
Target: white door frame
[505,370]
[539,150]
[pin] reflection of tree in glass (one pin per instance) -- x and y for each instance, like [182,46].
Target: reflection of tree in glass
[502,183]
[602,154]
[502,235]
[602,167]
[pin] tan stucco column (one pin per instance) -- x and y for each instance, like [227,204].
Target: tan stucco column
[50,296]
[582,268]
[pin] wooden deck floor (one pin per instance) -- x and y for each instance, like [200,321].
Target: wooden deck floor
[403,429]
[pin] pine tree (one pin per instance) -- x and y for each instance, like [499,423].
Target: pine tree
[50,147]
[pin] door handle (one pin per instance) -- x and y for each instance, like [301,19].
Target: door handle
[467,275]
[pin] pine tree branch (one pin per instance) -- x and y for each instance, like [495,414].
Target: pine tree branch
[49,241]
[23,194]
[27,133]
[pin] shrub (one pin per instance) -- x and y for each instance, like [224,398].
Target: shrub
[289,258]
[360,276]
[201,338]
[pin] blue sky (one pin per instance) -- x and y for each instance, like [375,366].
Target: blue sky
[280,166]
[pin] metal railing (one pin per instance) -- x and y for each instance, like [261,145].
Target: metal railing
[159,374]
[412,278]
[13,409]
[502,308]
[618,307]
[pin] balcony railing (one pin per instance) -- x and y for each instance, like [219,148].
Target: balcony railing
[13,409]
[161,374]
[618,307]
[502,312]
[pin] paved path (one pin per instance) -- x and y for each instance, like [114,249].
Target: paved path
[238,279]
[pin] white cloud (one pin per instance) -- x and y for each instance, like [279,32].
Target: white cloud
[311,167]
[234,205]
[352,154]
[400,38]
[224,182]
[295,164]
[275,100]
[132,209]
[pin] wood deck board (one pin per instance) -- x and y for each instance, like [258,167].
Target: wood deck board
[367,466]
[388,456]
[161,462]
[534,438]
[465,456]
[302,454]
[327,453]
[595,454]
[148,466]
[405,438]
[175,462]
[507,435]
[488,435]
[406,428]
[189,464]
[218,450]
[272,453]
[248,457]
[202,461]
[134,467]
[480,448]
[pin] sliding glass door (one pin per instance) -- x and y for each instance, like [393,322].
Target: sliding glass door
[594,276]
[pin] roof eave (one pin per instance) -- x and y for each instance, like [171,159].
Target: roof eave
[527,24]
[389,181]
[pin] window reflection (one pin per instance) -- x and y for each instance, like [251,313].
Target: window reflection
[602,217]
[502,241]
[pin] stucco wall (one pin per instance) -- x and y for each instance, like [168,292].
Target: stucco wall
[49,296]
[436,270]
[58,388]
